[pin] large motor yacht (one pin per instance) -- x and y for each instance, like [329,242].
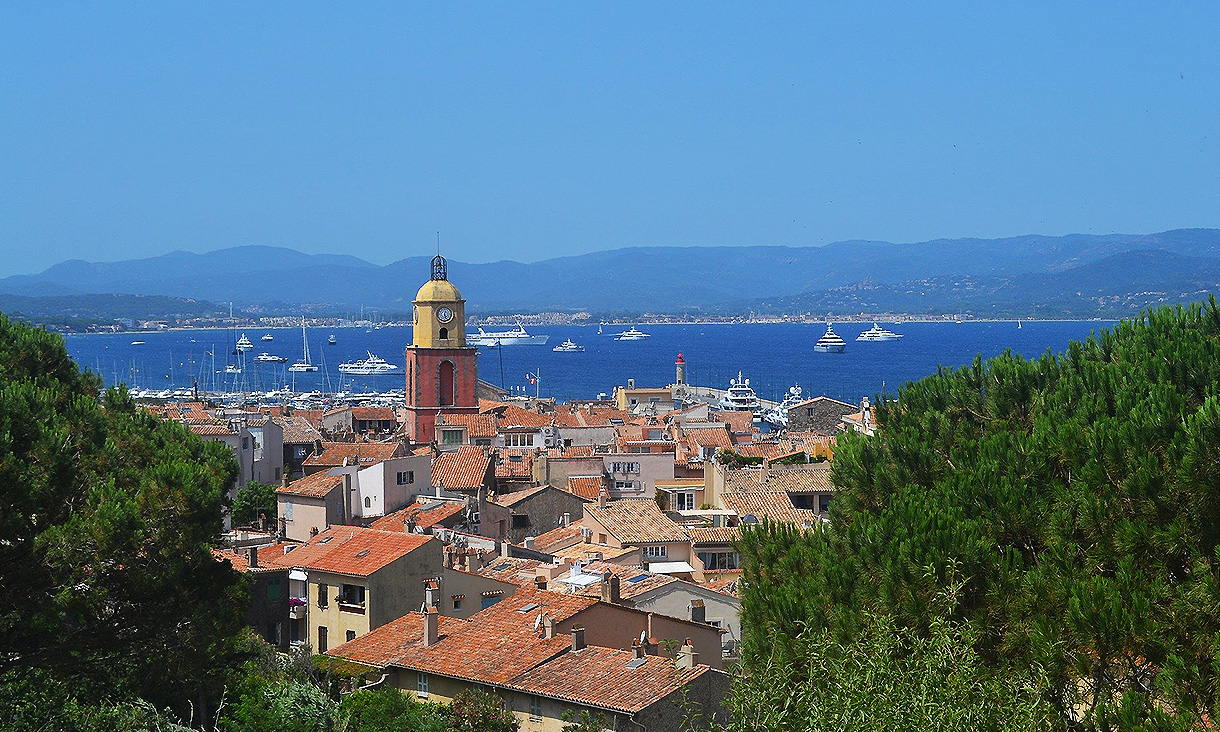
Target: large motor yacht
[371,365]
[244,344]
[877,333]
[265,357]
[568,346]
[515,337]
[830,342]
[777,416]
[740,397]
[632,334]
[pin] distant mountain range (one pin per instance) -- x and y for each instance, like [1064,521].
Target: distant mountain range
[1033,275]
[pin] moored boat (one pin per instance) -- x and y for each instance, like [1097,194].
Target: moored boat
[368,366]
[515,337]
[568,346]
[632,334]
[830,342]
[877,333]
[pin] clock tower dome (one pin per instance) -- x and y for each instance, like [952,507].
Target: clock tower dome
[441,368]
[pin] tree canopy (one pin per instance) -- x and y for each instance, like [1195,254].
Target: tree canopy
[1073,500]
[108,520]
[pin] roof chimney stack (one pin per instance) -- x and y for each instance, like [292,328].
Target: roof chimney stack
[548,626]
[566,520]
[253,557]
[637,650]
[610,587]
[578,639]
[602,495]
[431,626]
[687,657]
[698,612]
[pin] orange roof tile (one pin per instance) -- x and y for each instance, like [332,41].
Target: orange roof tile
[633,581]
[517,570]
[712,534]
[356,453]
[374,414]
[209,429]
[773,504]
[564,536]
[515,462]
[477,425]
[586,486]
[709,436]
[297,430]
[739,422]
[312,486]
[463,469]
[351,550]
[424,518]
[601,677]
[636,520]
[513,416]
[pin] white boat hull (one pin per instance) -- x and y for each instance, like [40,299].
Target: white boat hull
[493,341]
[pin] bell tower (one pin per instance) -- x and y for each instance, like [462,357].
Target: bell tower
[441,368]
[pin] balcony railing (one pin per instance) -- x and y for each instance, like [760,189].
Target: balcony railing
[351,607]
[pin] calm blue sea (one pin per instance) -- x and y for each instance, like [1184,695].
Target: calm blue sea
[773,356]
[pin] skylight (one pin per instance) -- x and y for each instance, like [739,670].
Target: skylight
[638,578]
[323,541]
[364,553]
[528,607]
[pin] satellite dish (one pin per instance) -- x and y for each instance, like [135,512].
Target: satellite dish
[537,621]
[643,636]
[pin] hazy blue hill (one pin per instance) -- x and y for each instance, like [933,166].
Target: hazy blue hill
[940,275]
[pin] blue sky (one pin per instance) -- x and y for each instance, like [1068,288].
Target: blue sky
[526,131]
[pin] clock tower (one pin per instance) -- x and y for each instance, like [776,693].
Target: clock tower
[441,368]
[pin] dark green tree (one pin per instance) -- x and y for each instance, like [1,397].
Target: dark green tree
[1076,496]
[389,710]
[481,711]
[107,522]
[252,500]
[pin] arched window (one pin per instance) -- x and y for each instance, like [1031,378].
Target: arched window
[444,334]
[445,378]
[368,502]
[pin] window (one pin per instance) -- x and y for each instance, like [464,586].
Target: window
[274,590]
[287,510]
[406,477]
[451,437]
[323,597]
[682,501]
[655,552]
[601,538]
[624,467]
[351,595]
[519,439]
[521,521]
[535,709]
[351,635]
[823,504]
[444,334]
[245,443]
[514,458]
[421,685]
[718,560]
[322,639]
[487,602]
[368,502]
[298,452]
[445,382]
[624,485]
[457,603]
[483,442]
[654,400]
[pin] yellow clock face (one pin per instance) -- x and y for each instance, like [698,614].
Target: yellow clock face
[444,315]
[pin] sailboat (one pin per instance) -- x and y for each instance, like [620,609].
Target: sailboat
[303,364]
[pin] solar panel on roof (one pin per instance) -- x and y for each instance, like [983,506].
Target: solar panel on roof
[638,578]
[501,567]
[528,607]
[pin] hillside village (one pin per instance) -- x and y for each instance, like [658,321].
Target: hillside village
[570,557]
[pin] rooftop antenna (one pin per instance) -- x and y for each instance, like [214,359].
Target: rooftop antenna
[438,243]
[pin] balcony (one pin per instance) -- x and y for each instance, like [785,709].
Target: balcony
[351,607]
[298,607]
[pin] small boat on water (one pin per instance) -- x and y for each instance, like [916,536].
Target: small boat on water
[267,337]
[568,346]
[515,337]
[740,397]
[877,333]
[632,334]
[232,369]
[830,342]
[137,343]
[304,364]
[265,357]
[372,365]
[332,340]
[244,344]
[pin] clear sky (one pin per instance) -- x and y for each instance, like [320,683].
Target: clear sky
[525,131]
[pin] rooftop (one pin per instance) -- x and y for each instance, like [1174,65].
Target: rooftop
[313,486]
[462,469]
[356,453]
[636,520]
[351,550]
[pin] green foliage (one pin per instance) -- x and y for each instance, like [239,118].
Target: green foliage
[480,711]
[281,705]
[796,458]
[583,722]
[1077,499]
[734,459]
[390,710]
[109,582]
[251,500]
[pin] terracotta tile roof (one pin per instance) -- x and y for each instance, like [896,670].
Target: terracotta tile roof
[636,520]
[587,487]
[209,429]
[724,585]
[812,478]
[572,451]
[709,436]
[508,466]
[463,469]
[356,453]
[351,550]
[425,518]
[585,552]
[516,497]
[191,412]
[477,425]
[601,677]
[309,415]
[712,534]
[766,450]
[559,538]
[739,422]
[312,486]
[374,414]
[513,416]
[492,646]
[570,416]
[241,562]
[775,505]
[517,570]
[297,430]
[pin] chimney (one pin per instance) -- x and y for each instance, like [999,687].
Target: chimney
[431,626]
[601,498]
[529,542]
[578,639]
[637,650]
[548,626]
[698,613]
[540,582]
[432,592]
[448,557]
[586,535]
[566,520]
[630,383]
[688,657]
[284,480]
[253,557]
[409,525]
[610,587]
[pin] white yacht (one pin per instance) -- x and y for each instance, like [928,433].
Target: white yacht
[777,416]
[877,333]
[515,337]
[371,365]
[740,397]
[332,340]
[244,344]
[632,335]
[267,337]
[303,364]
[265,357]
[568,346]
[830,342]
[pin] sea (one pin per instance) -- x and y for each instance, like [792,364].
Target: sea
[773,356]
